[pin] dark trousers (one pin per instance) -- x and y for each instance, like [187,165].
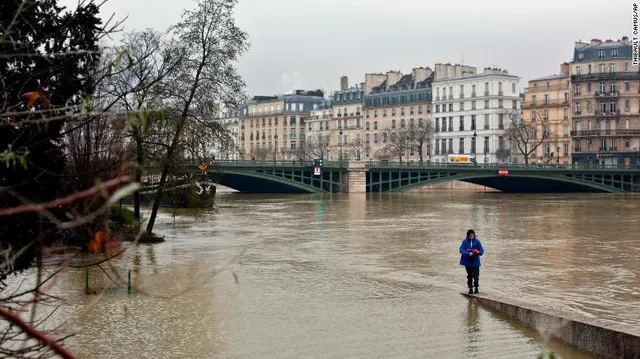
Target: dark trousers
[473,274]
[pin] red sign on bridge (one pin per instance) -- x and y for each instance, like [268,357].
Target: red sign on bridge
[503,172]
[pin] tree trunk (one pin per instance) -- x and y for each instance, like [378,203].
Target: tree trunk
[157,197]
[420,147]
[140,160]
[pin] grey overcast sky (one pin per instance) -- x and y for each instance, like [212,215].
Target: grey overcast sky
[309,44]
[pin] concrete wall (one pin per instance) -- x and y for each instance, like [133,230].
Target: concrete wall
[602,338]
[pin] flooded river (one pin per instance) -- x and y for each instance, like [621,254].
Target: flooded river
[361,276]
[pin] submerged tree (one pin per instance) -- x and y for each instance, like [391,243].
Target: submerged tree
[212,44]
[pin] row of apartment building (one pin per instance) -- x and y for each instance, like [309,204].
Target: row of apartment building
[589,113]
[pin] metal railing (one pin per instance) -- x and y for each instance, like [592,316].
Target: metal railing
[484,166]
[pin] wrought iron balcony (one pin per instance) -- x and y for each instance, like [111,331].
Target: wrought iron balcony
[606,132]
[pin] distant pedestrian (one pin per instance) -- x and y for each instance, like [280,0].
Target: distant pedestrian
[470,251]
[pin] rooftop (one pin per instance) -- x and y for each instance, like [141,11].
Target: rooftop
[550,77]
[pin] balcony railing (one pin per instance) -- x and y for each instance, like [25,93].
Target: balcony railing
[606,76]
[607,94]
[606,132]
[544,88]
[554,102]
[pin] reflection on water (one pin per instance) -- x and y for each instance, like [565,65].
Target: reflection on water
[362,276]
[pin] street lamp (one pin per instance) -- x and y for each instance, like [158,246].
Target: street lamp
[589,149]
[340,133]
[475,146]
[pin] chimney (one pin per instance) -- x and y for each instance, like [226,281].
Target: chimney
[344,83]
[579,44]
[596,41]
[564,69]
[371,81]
[420,74]
[392,78]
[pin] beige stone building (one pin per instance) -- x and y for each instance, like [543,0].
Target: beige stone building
[548,102]
[395,100]
[605,99]
[273,127]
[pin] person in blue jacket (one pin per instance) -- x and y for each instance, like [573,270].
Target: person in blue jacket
[470,251]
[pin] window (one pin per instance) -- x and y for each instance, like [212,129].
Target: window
[393,123]
[486,145]
[293,145]
[548,86]
[366,126]
[473,105]
[566,113]
[486,121]
[500,105]
[626,67]
[565,151]
[513,88]
[501,121]
[437,147]
[461,146]
[450,123]
[486,104]
[375,125]
[473,122]
[601,54]
[461,127]
[614,53]
[473,145]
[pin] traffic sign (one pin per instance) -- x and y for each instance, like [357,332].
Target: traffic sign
[503,172]
[317,170]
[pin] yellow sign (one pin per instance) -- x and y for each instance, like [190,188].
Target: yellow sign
[203,166]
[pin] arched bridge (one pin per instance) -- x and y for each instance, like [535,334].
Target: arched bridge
[299,177]
[400,177]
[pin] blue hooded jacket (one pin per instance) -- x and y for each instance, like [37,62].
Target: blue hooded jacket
[466,247]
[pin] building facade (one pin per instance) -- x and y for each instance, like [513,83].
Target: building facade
[347,142]
[471,112]
[606,103]
[393,102]
[273,127]
[226,148]
[547,104]
[318,135]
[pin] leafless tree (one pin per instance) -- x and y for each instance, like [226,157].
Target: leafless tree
[317,147]
[133,81]
[211,44]
[421,135]
[400,141]
[526,134]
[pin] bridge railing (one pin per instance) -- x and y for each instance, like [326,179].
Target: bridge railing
[277,163]
[530,166]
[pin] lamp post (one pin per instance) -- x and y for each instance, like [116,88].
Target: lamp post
[589,149]
[340,133]
[475,146]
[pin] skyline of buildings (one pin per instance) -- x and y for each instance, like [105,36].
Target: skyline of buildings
[592,98]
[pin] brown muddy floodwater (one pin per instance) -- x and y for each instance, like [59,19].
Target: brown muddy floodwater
[361,276]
